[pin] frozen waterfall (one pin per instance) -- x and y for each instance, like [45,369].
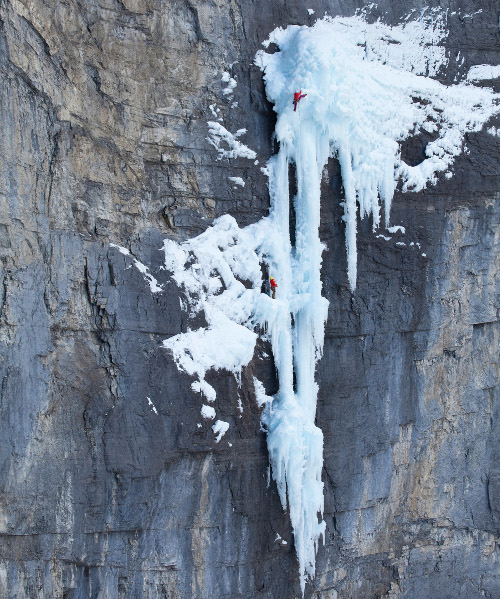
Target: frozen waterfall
[365,94]
[369,87]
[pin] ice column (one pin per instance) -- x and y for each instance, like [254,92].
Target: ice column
[295,443]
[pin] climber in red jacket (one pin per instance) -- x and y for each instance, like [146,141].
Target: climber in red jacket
[297,96]
[273,287]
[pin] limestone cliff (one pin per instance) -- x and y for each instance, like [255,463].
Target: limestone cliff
[104,110]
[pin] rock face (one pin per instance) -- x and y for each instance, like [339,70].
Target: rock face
[104,110]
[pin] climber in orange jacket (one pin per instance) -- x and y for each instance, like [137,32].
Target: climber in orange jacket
[273,287]
[297,96]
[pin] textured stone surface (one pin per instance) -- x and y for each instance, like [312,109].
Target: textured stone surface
[103,119]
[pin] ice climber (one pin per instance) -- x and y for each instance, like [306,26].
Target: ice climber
[297,96]
[273,287]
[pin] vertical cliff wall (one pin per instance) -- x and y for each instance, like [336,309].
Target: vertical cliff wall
[104,110]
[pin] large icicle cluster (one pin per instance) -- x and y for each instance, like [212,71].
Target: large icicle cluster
[369,87]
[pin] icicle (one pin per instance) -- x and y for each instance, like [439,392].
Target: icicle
[295,444]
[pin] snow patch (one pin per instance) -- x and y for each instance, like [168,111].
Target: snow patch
[281,541]
[395,229]
[483,72]
[220,428]
[217,134]
[152,405]
[202,386]
[224,345]
[144,270]
[210,269]
[231,84]
[207,412]
[471,15]
[237,180]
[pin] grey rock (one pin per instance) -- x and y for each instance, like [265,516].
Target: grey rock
[104,108]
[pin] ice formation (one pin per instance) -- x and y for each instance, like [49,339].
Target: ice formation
[369,87]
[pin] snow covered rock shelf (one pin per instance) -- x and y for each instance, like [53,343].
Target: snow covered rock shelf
[369,87]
